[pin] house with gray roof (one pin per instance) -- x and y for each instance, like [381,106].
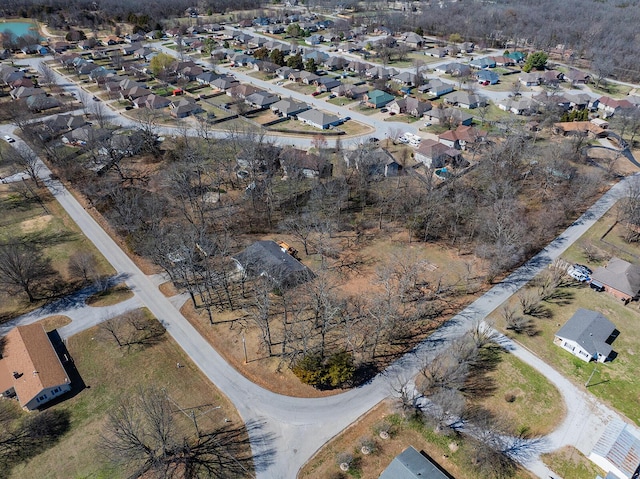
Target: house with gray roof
[617,452]
[587,335]
[318,119]
[261,99]
[270,260]
[462,99]
[288,107]
[410,464]
[618,278]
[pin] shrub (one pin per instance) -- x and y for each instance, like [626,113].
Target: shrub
[334,371]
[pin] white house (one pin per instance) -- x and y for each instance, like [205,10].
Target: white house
[587,335]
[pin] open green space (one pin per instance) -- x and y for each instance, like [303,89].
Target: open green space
[113,374]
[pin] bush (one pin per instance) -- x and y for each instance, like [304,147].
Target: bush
[334,371]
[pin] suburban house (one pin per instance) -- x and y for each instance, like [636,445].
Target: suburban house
[487,77]
[30,368]
[617,452]
[315,39]
[518,57]
[412,39]
[585,128]
[381,73]
[522,106]
[454,69]
[529,79]
[436,155]
[462,137]
[410,105]
[437,52]
[611,106]
[288,107]
[619,278]
[484,62]
[377,98]
[325,84]
[284,72]
[261,99]
[269,259]
[318,119]
[299,163]
[410,464]
[587,335]
[448,115]
[377,161]
[224,83]
[405,78]
[153,102]
[436,88]
[462,99]
[576,77]
[242,91]
[351,91]
[183,108]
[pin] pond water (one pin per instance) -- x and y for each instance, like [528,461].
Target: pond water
[19,28]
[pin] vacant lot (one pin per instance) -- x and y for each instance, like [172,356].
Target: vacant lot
[569,462]
[32,215]
[111,375]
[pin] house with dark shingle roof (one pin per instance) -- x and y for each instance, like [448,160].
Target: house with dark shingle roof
[30,368]
[619,278]
[269,259]
[410,464]
[587,335]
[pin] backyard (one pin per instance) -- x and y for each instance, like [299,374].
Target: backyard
[109,375]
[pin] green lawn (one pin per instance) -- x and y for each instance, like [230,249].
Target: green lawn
[615,382]
[111,375]
[47,224]
[571,463]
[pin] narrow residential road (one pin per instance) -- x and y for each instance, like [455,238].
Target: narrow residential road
[285,432]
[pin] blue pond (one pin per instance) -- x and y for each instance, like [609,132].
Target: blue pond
[19,28]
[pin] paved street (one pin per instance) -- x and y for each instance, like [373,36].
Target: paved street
[286,431]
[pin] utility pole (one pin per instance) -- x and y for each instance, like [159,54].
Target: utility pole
[595,368]
[244,347]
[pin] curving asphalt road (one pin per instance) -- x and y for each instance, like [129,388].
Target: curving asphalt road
[285,432]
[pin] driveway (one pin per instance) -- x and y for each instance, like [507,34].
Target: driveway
[285,432]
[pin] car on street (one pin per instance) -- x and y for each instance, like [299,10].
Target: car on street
[8,139]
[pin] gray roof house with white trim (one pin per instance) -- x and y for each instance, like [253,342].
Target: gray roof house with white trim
[587,335]
[318,119]
[410,464]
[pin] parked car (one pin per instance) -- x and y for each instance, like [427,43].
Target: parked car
[578,273]
[384,110]
[8,139]
[427,124]
[315,93]
[332,96]
[373,139]
[346,118]
[95,98]
[596,286]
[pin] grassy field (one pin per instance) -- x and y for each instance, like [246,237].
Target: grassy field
[112,374]
[538,406]
[114,295]
[614,382]
[46,223]
[569,462]
[448,452]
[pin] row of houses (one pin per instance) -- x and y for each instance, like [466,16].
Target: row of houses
[23,88]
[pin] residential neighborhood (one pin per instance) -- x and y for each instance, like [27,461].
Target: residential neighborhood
[318,241]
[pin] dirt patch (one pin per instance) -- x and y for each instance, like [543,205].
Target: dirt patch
[35,224]
[168,289]
[226,336]
[54,322]
[442,450]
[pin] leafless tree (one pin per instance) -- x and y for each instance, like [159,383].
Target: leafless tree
[26,159]
[47,77]
[83,265]
[23,268]
[142,435]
